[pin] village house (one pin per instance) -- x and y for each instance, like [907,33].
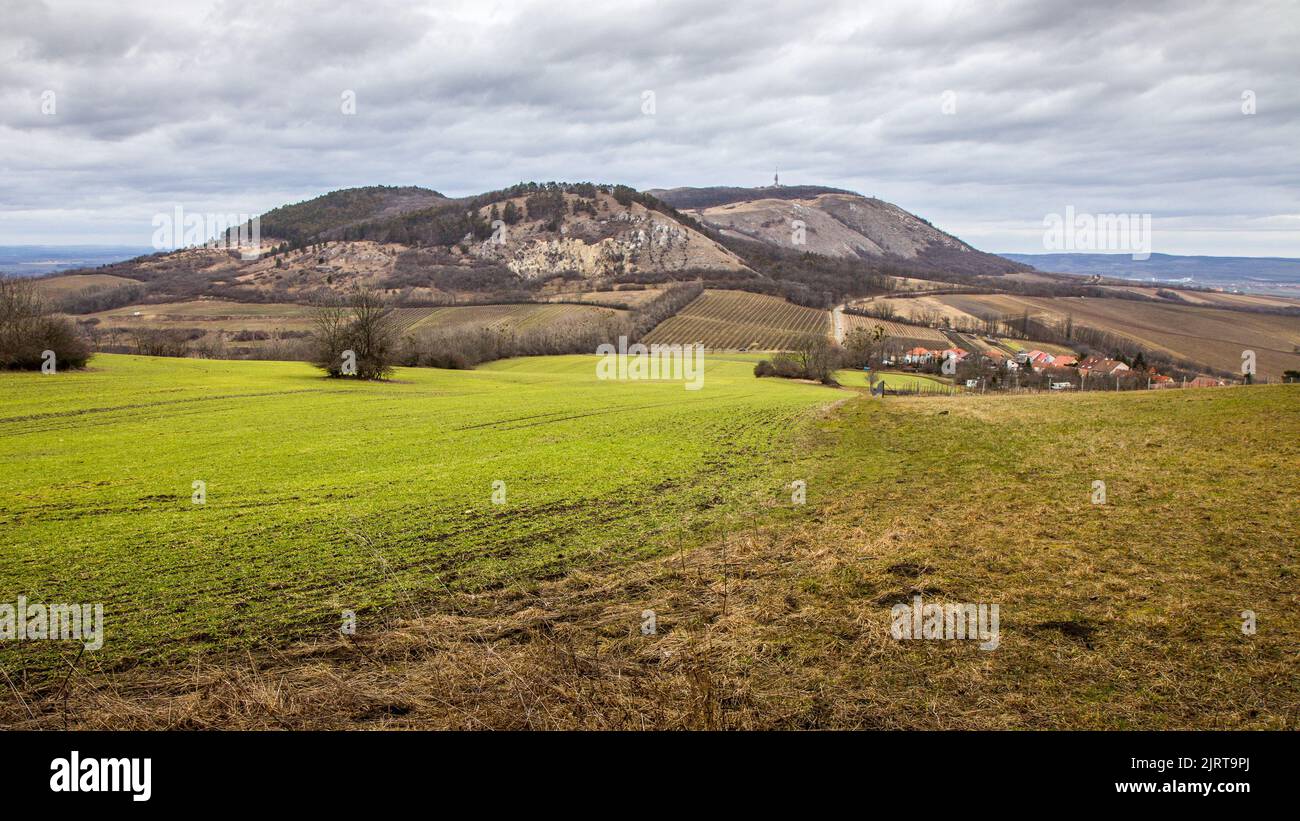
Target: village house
[1097,366]
[918,356]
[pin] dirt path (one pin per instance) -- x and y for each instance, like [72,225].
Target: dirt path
[837,320]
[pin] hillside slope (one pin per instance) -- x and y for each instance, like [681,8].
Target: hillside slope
[834,223]
[326,216]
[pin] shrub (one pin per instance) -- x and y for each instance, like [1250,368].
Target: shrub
[28,330]
[160,342]
[356,329]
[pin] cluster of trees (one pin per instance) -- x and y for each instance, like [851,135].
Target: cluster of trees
[355,335]
[99,298]
[803,278]
[548,206]
[303,222]
[31,336]
[816,357]
[450,221]
[464,347]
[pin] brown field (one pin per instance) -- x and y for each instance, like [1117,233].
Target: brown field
[909,336]
[732,320]
[506,317]
[914,284]
[54,288]
[210,314]
[927,309]
[1213,337]
[220,316]
[631,298]
[1215,299]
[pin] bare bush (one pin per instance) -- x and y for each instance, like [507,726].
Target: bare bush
[160,342]
[28,330]
[814,357]
[465,347]
[355,335]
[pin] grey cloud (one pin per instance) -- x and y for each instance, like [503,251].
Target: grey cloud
[237,104]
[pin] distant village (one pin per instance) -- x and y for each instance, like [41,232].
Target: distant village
[1034,369]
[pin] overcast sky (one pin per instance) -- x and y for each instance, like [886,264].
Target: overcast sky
[983,118]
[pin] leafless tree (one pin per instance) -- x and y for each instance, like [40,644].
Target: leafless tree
[28,330]
[355,335]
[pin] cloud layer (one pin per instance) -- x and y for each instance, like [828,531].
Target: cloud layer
[983,118]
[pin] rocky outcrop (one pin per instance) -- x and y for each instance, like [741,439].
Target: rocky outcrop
[614,240]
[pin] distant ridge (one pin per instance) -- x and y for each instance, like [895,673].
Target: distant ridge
[34,260]
[1266,274]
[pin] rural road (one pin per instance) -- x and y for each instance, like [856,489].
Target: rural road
[837,317]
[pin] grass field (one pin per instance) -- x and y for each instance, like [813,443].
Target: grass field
[894,380]
[732,320]
[1122,615]
[1018,345]
[325,495]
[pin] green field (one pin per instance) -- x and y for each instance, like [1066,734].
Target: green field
[326,495]
[893,380]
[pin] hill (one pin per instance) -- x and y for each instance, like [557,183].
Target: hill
[326,216]
[512,243]
[424,248]
[835,223]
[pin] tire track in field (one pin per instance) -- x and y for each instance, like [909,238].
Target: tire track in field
[136,406]
[506,423]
